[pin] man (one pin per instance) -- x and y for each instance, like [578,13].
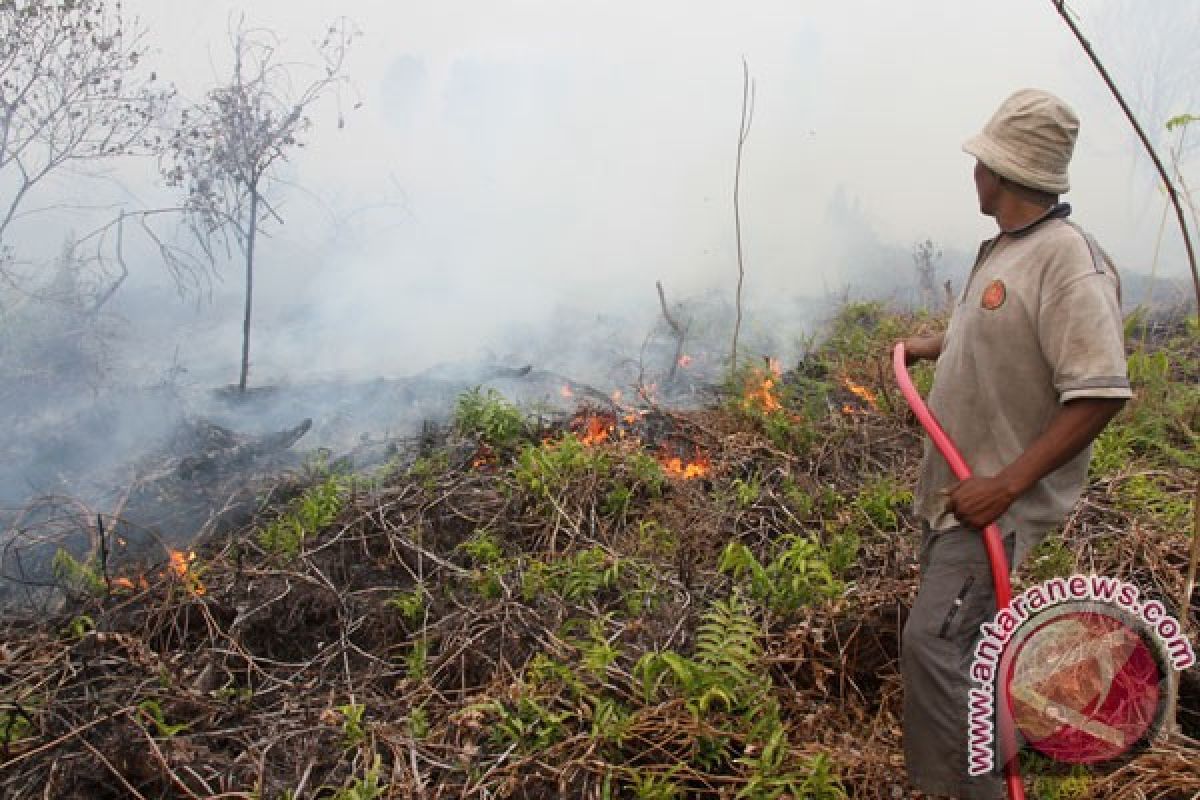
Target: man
[1029,371]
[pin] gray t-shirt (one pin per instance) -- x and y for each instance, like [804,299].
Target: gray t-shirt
[1038,324]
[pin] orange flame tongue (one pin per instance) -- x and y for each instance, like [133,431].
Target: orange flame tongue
[129,584]
[859,391]
[763,396]
[180,567]
[593,429]
[676,467]
[596,431]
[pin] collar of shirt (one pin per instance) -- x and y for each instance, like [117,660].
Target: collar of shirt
[1056,211]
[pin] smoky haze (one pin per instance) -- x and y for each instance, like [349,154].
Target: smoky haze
[515,159]
[520,174]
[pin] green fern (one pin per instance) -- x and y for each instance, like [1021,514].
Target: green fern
[722,674]
[574,578]
[308,515]
[802,572]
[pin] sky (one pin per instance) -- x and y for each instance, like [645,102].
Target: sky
[514,163]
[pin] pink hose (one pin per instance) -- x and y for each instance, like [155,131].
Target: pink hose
[991,541]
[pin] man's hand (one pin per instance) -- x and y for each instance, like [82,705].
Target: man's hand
[978,502]
[922,348]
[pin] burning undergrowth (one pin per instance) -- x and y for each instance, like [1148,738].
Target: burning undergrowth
[625,601]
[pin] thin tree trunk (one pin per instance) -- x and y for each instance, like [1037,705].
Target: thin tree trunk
[743,132]
[250,237]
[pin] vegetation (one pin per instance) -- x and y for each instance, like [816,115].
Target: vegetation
[563,613]
[313,511]
[226,149]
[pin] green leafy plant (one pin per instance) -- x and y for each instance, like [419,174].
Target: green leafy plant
[880,501]
[745,493]
[490,418]
[654,538]
[418,723]
[799,575]
[416,662]
[610,720]
[1054,781]
[427,469]
[315,509]
[368,787]
[1051,559]
[635,475]
[15,727]
[722,673]
[1112,451]
[801,502]
[410,605]
[544,672]
[574,578]
[774,773]
[354,732]
[1145,494]
[483,548]
[596,652]
[1160,422]
[154,712]
[79,626]
[76,575]
[655,786]
[528,725]
[548,469]
[643,470]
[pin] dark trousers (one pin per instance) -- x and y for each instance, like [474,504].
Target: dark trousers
[937,646]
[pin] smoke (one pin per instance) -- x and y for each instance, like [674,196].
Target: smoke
[521,174]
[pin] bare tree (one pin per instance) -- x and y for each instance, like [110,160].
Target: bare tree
[226,148]
[70,92]
[925,256]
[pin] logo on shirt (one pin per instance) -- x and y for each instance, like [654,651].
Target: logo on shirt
[994,295]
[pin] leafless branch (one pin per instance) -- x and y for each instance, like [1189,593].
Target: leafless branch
[743,134]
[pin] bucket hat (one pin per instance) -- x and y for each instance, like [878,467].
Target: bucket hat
[1029,140]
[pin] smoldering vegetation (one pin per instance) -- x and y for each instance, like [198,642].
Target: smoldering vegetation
[611,598]
[160,457]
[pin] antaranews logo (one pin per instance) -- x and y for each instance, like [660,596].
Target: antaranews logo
[1081,664]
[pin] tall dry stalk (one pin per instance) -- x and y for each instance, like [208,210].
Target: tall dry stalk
[1185,600]
[743,133]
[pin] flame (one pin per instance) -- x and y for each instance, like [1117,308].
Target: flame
[129,584]
[566,392]
[860,391]
[762,395]
[685,361]
[595,429]
[181,566]
[676,467]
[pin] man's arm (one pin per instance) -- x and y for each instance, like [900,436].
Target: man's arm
[919,348]
[981,500]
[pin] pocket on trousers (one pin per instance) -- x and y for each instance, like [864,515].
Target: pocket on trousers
[956,606]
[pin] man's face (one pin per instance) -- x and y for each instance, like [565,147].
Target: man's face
[987,187]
